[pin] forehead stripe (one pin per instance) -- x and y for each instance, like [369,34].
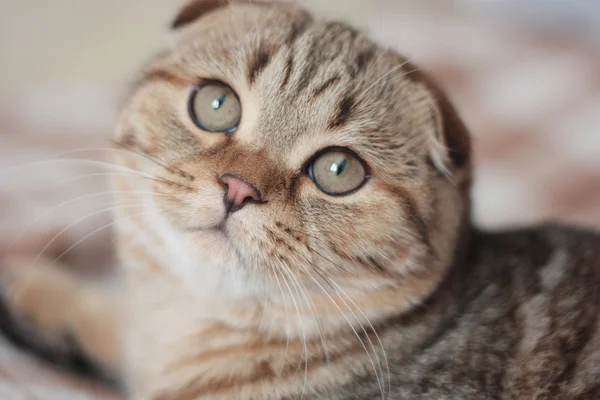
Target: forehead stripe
[323,88]
[344,111]
[258,62]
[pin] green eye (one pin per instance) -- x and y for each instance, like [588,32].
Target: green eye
[215,107]
[337,171]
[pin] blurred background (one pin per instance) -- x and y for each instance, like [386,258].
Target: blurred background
[525,75]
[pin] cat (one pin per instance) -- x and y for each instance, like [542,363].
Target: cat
[296,225]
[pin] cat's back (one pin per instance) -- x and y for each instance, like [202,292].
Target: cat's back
[529,326]
[525,324]
[555,286]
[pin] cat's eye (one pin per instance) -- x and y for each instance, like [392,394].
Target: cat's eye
[337,171]
[215,107]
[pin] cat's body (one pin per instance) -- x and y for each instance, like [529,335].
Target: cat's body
[520,320]
[301,230]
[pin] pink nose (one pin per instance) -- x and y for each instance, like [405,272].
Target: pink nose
[238,193]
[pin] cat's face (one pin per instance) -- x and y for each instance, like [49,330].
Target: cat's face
[334,151]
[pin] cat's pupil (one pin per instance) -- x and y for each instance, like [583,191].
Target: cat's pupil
[339,167]
[219,101]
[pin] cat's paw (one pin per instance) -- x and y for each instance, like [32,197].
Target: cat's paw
[34,296]
[37,296]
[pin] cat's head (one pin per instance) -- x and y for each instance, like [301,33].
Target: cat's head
[288,149]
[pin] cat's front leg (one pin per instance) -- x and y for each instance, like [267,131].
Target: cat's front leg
[46,307]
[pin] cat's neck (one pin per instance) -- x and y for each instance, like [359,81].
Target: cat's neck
[219,346]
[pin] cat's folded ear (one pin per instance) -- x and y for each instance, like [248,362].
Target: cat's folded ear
[453,138]
[196,9]
[450,141]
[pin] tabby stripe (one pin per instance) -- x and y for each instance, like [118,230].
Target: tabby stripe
[344,111]
[573,326]
[198,388]
[298,28]
[289,67]
[309,70]
[417,220]
[410,206]
[362,61]
[378,267]
[323,88]
[210,356]
[128,139]
[258,63]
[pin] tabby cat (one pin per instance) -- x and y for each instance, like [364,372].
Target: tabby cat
[302,230]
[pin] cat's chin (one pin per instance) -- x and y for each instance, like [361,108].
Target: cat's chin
[214,236]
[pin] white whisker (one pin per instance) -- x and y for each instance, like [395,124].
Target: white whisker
[264,305]
[105,174]
[66,203]
[114,207]
[94,163]
[58,156]
[353,330]
[118,220]
[310,304]
[379,376]
[305,351]
[387,366]
[287,315]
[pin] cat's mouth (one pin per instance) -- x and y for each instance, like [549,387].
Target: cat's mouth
[220,228]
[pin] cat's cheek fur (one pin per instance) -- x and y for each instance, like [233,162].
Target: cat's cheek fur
[199,209]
